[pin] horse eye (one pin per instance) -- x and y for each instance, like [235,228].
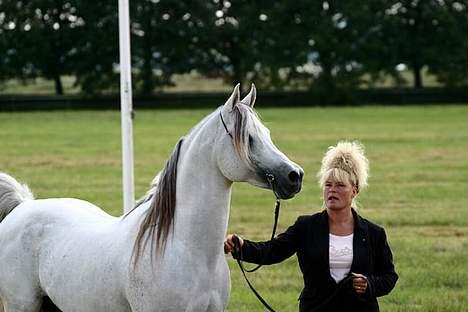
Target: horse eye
[251,141]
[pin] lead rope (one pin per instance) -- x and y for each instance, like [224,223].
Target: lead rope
[241,267]
[273,232]
[340,286]
[237,246]
[271,180]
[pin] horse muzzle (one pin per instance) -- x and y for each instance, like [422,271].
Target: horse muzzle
[287,183]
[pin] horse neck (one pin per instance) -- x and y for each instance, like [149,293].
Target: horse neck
[203,195]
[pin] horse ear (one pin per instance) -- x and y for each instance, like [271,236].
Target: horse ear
[251,97]
[234,98]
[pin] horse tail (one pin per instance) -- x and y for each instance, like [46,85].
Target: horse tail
[12,193]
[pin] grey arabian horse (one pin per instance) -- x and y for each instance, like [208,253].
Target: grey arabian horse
[164,255]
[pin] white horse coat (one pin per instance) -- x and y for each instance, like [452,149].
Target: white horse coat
[84,259]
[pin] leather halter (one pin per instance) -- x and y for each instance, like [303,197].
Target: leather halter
[224,124]
[271,180]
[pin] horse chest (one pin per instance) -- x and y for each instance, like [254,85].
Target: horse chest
[180,284]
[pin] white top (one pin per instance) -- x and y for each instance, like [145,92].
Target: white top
[341,256]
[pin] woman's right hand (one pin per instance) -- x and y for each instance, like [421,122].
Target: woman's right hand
[229,244]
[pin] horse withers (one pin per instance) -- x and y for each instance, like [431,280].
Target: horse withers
[166,254]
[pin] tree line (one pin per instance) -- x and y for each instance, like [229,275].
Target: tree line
[318,45]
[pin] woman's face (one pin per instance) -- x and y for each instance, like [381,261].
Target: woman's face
[338,195]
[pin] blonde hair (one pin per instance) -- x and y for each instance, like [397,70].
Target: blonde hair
[345,162]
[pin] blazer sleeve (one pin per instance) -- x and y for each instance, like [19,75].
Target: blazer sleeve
[280,248]
[384,278]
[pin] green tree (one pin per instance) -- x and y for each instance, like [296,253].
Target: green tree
[237,36]
[323,43]
[95,59]
[167,37]
[43,35]
[7,56]
[422,33]
[450,65]
[13,30]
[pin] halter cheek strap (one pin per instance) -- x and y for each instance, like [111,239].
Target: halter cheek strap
[270,177]
[271,180]
[224,124]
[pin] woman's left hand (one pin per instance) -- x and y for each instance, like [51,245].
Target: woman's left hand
[359,283]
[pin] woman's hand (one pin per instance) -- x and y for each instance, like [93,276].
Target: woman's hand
[359,283]
[229,244]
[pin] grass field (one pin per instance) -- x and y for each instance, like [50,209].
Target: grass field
[418,186]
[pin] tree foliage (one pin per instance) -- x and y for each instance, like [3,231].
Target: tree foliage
[425,33]
[167,38]
[43,36]
[321,45]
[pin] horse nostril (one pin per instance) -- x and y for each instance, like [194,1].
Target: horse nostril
[294,176]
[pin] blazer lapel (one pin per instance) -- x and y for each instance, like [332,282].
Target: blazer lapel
[360,245]
[323,245]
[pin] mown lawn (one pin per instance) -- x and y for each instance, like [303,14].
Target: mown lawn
[418,186]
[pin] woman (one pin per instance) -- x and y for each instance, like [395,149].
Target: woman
[345,259]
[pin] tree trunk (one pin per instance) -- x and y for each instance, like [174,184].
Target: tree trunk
[235,57]
[417,76]
[237,71]
[237,75]
[147,70]
[326,80]
[147,87]
[57,49]
[58,84]
[418,31]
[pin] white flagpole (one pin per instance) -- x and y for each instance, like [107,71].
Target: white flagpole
[126,105]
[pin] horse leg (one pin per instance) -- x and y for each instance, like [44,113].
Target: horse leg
[49,306]
[23,306]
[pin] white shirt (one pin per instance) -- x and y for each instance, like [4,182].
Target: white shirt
[341,256]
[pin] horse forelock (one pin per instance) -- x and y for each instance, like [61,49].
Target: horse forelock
[245,121]
[158,219]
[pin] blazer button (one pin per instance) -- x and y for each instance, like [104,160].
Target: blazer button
[363,239]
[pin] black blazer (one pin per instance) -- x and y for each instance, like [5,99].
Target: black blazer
[309,238]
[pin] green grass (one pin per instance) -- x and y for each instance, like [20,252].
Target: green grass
[418,186]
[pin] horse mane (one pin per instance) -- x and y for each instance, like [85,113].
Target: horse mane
[149,193]
[159,218]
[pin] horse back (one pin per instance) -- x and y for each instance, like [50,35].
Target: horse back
[62,243]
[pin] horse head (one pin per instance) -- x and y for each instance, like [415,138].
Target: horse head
[246,152]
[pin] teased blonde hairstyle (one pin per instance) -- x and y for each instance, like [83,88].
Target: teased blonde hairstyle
[345,162]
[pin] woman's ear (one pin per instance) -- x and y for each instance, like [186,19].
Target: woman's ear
[355,191]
